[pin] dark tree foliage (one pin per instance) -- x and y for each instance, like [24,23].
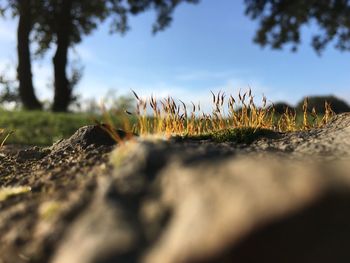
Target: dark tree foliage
[86,15]
[281,107]
[282,20]
[74,17]
[163,8]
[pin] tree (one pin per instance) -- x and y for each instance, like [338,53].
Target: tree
[65,22]
[23,9]
[318,102]
[282,20]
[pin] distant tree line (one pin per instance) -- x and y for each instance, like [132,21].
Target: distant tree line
[61,24]
[315,102]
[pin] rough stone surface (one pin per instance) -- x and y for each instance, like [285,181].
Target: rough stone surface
[281,199]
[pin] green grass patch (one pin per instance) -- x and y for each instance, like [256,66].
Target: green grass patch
[44,128]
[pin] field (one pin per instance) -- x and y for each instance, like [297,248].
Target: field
[41,128]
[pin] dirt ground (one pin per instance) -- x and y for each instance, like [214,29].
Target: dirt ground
[177,201]
[52,174]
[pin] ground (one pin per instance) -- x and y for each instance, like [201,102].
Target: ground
[86,199]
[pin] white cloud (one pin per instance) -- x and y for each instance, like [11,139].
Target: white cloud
[235,80]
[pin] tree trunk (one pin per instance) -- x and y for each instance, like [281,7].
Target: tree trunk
[63,91]
[24,71]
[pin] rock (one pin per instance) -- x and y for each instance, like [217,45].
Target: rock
[283,199]
[328,142]
[88,135]
[253,210]
[102,234]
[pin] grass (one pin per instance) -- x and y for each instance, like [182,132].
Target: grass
[40,128]
[240,135]
[238,119]
[4,136]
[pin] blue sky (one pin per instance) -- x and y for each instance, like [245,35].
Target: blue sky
[208,47]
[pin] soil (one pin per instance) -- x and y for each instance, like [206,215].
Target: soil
[52,174]
[78,194]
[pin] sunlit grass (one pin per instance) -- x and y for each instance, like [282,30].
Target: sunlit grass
[170,118]
[232,119]
[40,128]
[4,136]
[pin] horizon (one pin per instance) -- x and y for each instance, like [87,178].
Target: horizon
[190,58]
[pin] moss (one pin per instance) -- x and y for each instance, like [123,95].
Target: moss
[49,210]
[7,192]
[206,136]
[240,135]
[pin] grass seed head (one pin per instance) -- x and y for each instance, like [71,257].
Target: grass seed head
[173,118]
